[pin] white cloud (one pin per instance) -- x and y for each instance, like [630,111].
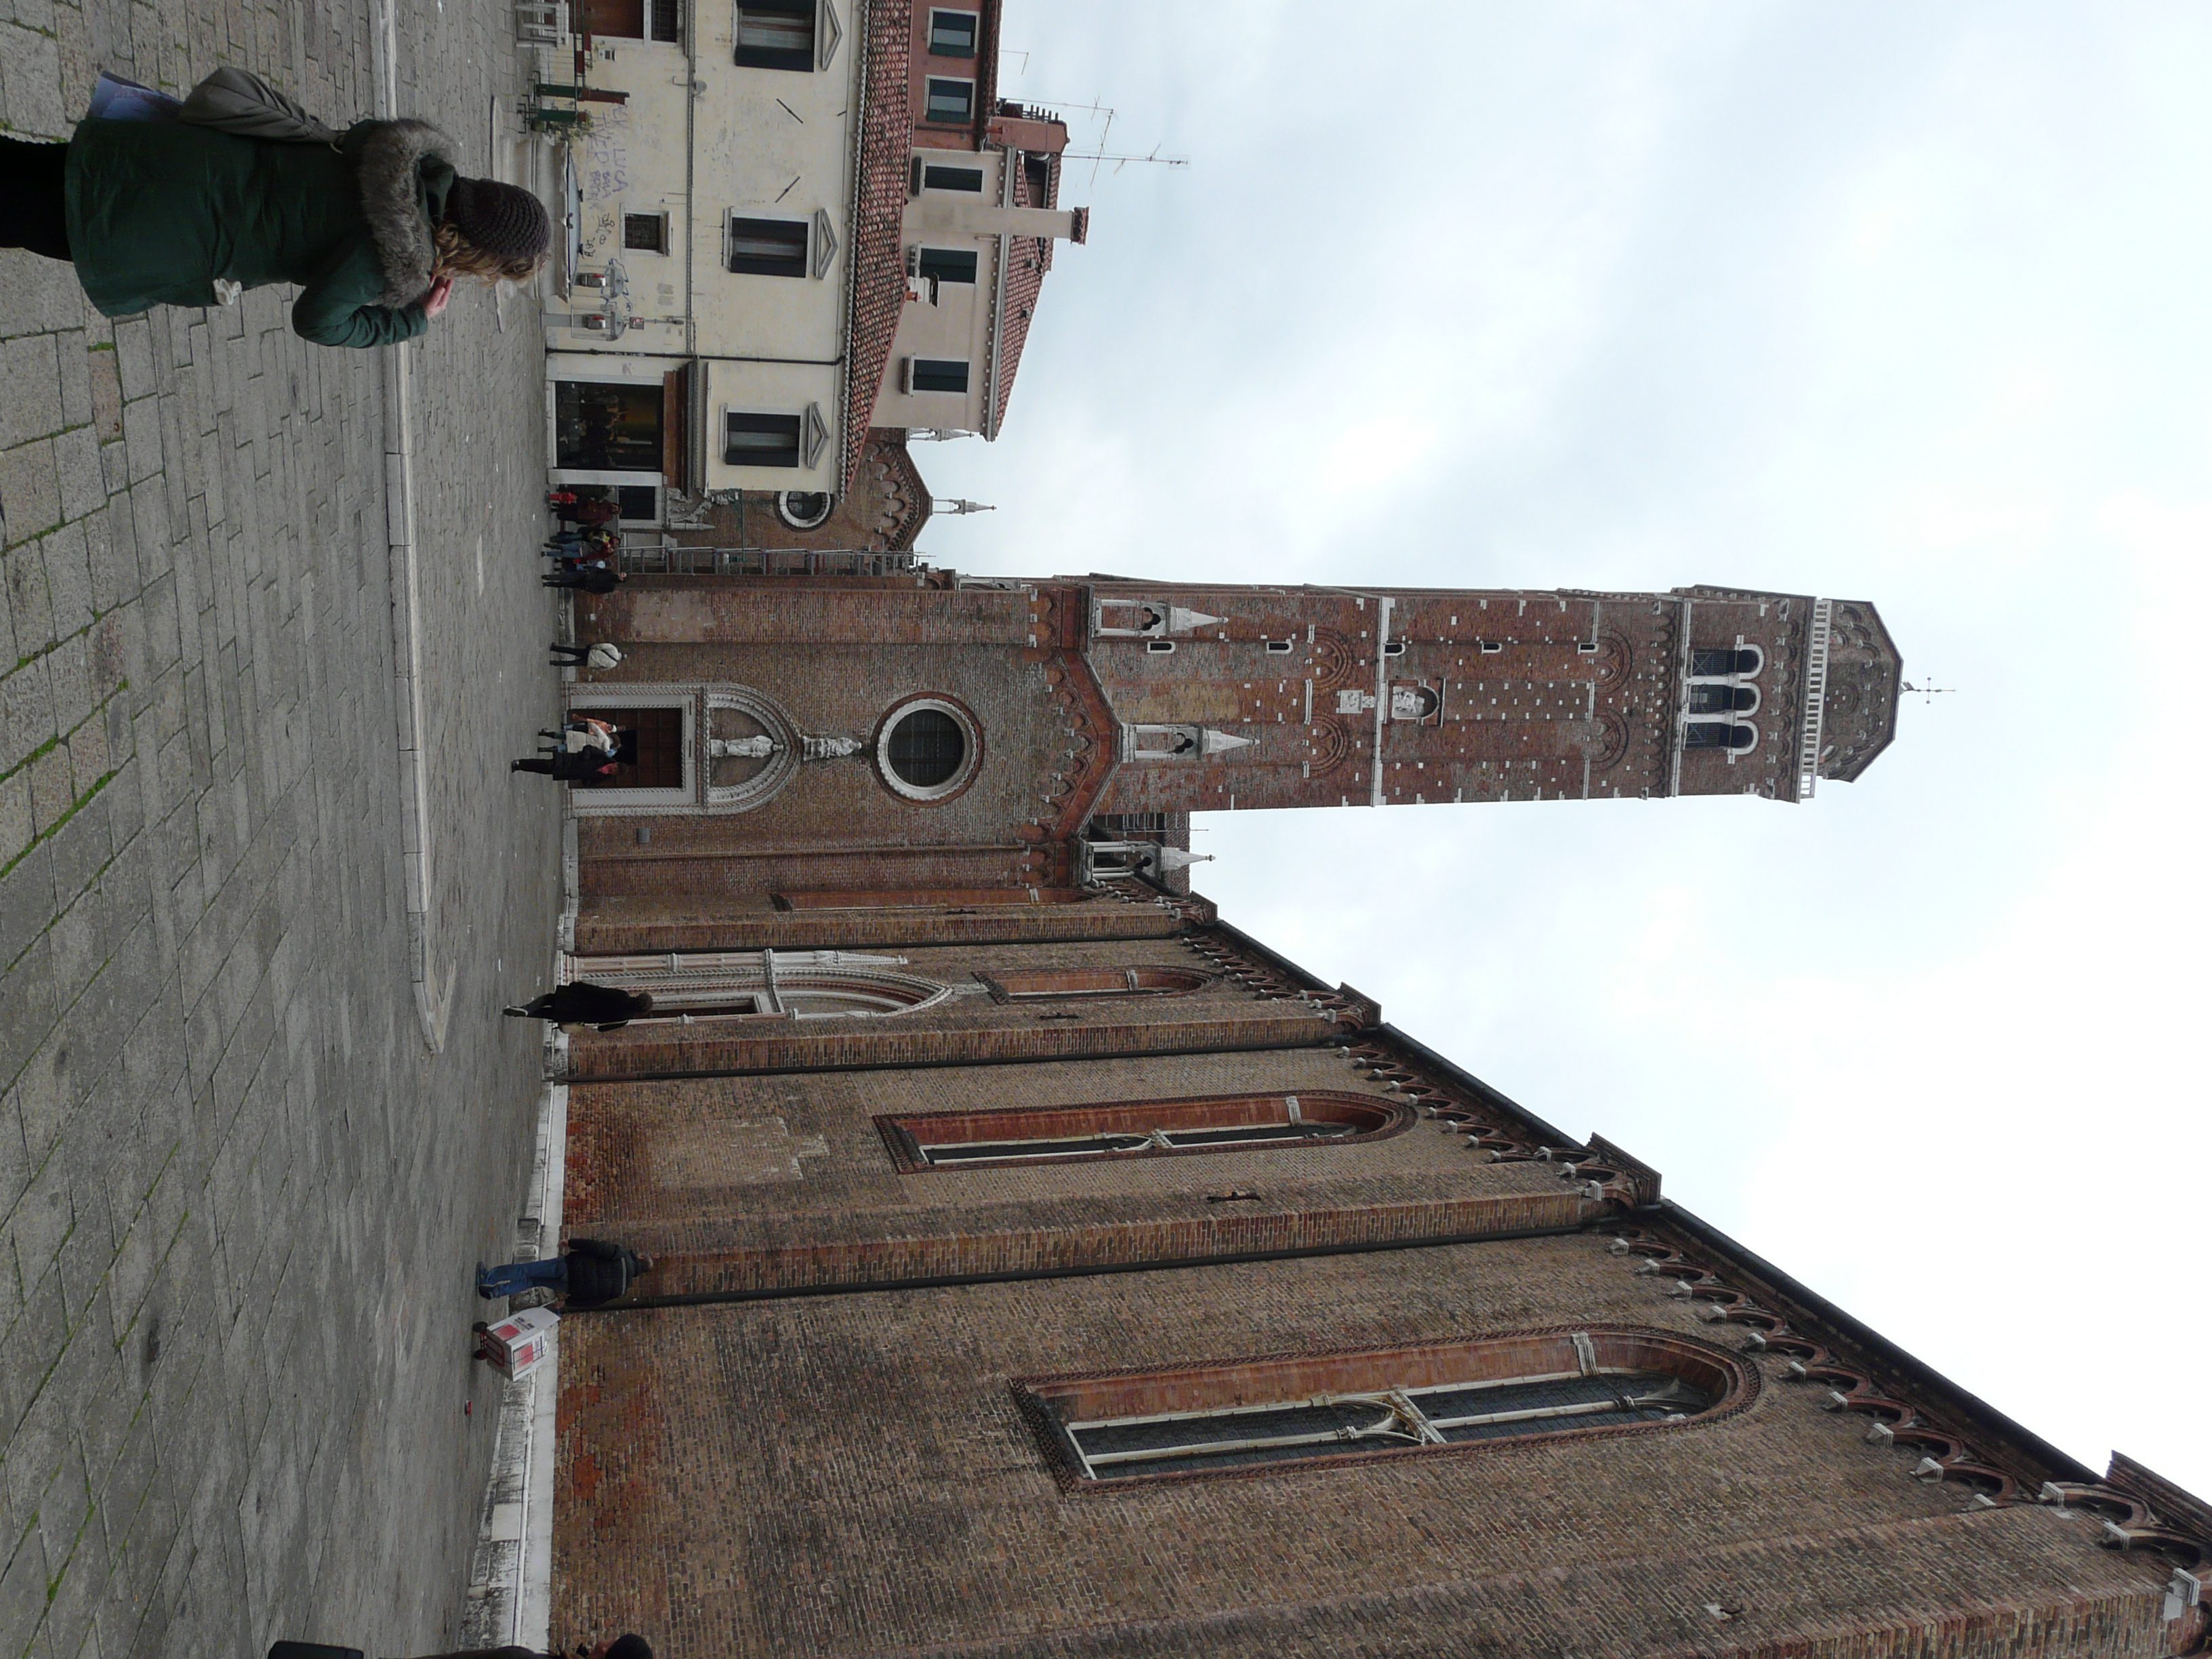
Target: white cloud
[1892,302]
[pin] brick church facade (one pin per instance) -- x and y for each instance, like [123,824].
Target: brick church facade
[1044,1267]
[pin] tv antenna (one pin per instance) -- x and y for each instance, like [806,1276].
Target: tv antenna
[1099,157]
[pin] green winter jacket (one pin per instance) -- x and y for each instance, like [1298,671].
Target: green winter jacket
[159,210]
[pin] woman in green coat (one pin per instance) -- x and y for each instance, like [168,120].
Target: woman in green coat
[373,229]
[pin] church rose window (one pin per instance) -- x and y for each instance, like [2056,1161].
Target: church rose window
[1339,1408]
[1118,1129]
[928,749]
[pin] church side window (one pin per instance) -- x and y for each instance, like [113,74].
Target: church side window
[1033,985]
[1115,1129]
[777,984]
[1339,1408]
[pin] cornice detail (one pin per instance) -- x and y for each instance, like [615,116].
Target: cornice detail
[2123,1504]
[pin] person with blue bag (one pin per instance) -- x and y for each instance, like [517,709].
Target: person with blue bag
[158,202]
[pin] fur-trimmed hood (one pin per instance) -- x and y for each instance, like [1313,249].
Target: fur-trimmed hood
[405,168]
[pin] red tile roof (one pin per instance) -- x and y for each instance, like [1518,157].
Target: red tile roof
[1028,259]
[879,270]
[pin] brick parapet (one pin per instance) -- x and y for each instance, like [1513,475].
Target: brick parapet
[649,1051]
[710,1259]
[630,926]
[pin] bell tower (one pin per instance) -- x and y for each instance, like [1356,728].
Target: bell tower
[1238,698]
[950,742]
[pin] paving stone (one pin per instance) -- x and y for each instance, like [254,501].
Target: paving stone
[30,489]
[219,1124]
[30,371]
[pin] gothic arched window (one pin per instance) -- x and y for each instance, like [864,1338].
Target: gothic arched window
[1718,697]
[1719,734]
[1337,1408]
[780,984]
[1148,1128]
[1745,660]
[1030,985]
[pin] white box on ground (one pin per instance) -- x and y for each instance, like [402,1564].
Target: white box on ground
[516,1344]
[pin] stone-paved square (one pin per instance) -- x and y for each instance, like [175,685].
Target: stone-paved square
[241,1194]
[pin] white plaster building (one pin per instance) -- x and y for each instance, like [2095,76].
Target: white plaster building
[808,217]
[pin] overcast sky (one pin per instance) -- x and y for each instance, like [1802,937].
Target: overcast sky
[1904,302]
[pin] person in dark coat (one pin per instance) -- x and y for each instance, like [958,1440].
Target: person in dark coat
[375,228]
[583,1002]
[590,1274]
[589,511]
[601,656]
[584,768]
[591,579]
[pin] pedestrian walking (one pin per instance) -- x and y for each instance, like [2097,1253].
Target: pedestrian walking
[581,546]
[586,579]
[589,735]
[239,187]
[588,511]
[587,767]
[601,657]
[590,1274]
[585,1002]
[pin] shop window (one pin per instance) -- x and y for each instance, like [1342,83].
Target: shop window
[1119,1129]
[1341,1409]
[607,427]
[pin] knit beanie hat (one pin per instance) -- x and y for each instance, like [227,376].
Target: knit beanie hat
[505,221]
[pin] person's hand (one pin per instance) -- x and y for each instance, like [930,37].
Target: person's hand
[440,294]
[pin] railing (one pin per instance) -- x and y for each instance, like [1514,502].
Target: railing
[1816,688]
[667,560]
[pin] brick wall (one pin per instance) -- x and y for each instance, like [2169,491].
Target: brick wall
[855,1475]
[740,1184]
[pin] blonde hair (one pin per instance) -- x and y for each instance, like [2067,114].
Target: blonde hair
[460,257]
